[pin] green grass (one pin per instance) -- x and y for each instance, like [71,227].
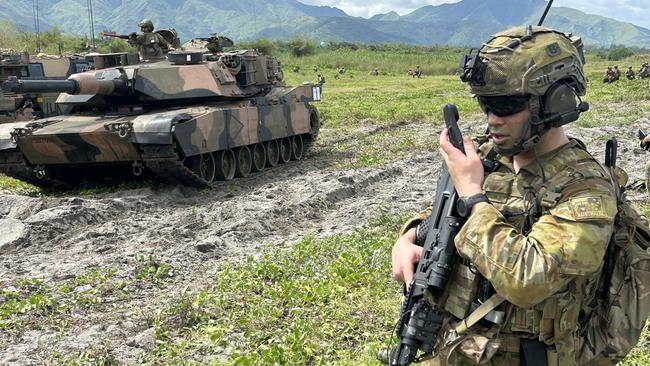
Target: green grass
[33,304]
[320,302]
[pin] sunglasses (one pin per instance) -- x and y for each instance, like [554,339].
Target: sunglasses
[503,105]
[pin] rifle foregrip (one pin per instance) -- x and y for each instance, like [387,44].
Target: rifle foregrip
[422,230]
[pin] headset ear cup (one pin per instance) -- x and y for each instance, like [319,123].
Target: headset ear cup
[560,98]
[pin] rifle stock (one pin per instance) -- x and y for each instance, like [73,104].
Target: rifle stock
[420,321]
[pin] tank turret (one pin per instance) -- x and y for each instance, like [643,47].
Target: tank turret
[195,117]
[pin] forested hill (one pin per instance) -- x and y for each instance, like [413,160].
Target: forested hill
[466,23]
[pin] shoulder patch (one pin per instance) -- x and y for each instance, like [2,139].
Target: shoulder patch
[588,208]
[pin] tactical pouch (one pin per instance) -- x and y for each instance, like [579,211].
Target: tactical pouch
[462,291]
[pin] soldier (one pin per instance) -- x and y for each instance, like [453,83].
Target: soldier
[629,74]
[374,72]
[410,72]
[415,72]
[609,75]
[644,72]
[541,251]
[150,45]
[321,79]
[617,73]
[296,69]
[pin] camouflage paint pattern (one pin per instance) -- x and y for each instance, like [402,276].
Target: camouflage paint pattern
[228,107]
[236,100]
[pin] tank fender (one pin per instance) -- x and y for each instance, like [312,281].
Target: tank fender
[156,128]
[6,129]
[303,93]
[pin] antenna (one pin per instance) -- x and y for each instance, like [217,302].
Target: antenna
[548,7]
[37,26]
[91,23]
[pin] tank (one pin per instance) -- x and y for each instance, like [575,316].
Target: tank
[23,107]
[193,118]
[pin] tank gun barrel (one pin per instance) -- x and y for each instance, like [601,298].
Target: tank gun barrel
[76,84]
[13,85]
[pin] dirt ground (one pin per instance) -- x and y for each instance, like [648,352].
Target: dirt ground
[197,231]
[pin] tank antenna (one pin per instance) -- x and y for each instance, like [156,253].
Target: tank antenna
[91,22]
[548,7]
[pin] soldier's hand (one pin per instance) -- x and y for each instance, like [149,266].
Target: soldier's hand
[645,143]
[405,257]
[466,170]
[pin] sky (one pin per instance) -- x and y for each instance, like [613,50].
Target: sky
[633,11]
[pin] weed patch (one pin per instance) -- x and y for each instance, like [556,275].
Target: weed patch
[322,301]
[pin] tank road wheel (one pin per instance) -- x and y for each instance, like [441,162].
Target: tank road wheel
[297,148]
[285,150]
[204,166]
[272,153]
[225,164]
[244,162]
[259,157]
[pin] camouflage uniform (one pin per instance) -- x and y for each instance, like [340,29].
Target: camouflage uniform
[545,268]
[610,76]
[150,45]
[644,72]
[629,74]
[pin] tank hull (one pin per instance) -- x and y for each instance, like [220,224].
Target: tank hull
[190,145]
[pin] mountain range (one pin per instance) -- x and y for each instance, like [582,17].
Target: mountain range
[465,23]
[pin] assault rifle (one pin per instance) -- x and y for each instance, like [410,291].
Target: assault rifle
[642,136]
[103,35]
[420,321]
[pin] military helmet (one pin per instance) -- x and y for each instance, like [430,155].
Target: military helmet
[526,61]
[146,23]
[529,67]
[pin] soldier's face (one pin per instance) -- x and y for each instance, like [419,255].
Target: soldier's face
[505,130]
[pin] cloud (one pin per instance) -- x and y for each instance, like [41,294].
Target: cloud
[633,11]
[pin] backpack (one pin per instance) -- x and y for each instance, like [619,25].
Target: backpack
[616,315]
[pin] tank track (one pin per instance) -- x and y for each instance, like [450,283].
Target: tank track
[163,161]
[13,164]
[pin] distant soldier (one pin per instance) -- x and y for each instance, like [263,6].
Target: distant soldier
[644,73]
[410,72]
[617,73]
[629,74]
[609,76]
[645,144]
[150,45]
[342,70]
[315,68]
[296,69]
[417,72]
[321,79]
[374,72]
